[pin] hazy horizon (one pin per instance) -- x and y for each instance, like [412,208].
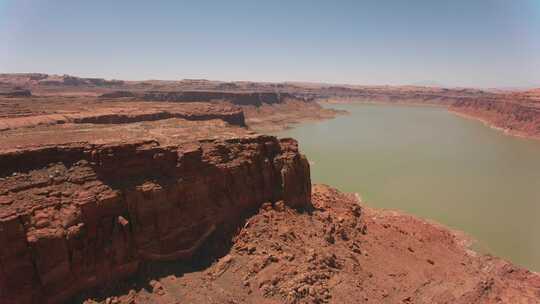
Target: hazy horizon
[484,44]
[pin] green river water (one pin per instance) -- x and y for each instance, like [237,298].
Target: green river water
[436,165]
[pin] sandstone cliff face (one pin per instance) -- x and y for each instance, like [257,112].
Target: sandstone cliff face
[400,94]
[517,113]
[118,94]
[79,215]
[16,93]
[264,111]
[244,98]
[120,113]
[516,118]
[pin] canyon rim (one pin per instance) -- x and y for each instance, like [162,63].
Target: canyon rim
[123,192]
[298,152]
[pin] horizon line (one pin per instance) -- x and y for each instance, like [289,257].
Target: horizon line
[182,78]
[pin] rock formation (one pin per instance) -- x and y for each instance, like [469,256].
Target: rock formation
[121,113]
[105,181]
[79,215]
[273,106]
[516,118]
[16,93]
[256,98]
[340,252]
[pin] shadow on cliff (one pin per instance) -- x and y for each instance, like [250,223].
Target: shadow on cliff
[216,246]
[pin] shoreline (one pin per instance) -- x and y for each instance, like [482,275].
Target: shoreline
[490,125]
[389,103]
[272,121]
[465,241]
[468,242]
[486,122]
[342,247]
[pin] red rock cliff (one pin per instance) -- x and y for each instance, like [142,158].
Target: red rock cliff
[516,118]
[76,216]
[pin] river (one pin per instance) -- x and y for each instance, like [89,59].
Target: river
[436,165]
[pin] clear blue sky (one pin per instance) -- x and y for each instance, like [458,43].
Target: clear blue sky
[460,42]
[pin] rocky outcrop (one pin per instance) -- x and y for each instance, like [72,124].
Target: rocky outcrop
[277,117]
[255,99]
[404,94]
[339,253]
[93,188]
[135,113]
[232,116]
[117,94]
[237,98]
[264,111]
[16,93]
[513,117]
[80,215]
[516,113]
[274,106]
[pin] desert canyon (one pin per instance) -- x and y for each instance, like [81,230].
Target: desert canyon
[158,191]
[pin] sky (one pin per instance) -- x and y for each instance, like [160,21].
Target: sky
[471,43]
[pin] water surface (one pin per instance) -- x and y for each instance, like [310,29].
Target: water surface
[434,164]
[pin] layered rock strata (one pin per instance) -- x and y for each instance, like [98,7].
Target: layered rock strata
[520,119]
[243,98]
[87,198]
[117,113]
[340,252]
[75,216]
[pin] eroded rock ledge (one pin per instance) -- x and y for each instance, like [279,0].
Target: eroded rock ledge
[521,119]
[91,188]
[79,215]
[117,113]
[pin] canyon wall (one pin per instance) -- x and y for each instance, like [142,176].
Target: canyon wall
[270,107]
[399,94]
[120,113]
[521,119]
[264,111]
[516,113]
[242,98]
[91,189]
[79,215]
[237,98]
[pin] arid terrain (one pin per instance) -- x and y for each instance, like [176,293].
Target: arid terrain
[515,113]
[164,192]
[266,106]
[336,251]
[274,106]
